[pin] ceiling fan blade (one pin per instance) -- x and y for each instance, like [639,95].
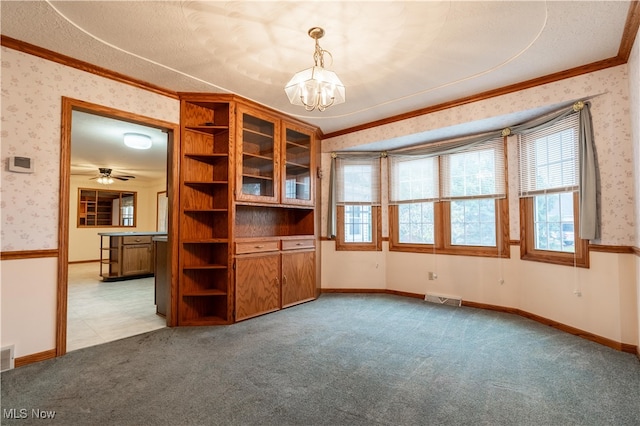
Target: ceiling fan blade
[122,177]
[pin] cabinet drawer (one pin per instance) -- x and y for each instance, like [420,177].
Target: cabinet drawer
[298,244]
[256,247]
[137,239]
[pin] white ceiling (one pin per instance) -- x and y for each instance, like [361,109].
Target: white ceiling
[98,142]
[392,56]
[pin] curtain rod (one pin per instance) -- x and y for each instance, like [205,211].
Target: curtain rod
[497,132]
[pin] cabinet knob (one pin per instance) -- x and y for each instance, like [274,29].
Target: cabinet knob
[258,246]
[298,244]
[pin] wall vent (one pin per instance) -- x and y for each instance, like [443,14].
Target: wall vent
[6,358]
[443,300]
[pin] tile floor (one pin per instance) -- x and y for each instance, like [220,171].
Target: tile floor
[100,312]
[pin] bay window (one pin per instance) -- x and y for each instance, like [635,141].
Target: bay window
[549,183]
[450,200]
[358,204]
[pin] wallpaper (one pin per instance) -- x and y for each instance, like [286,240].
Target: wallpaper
[634,97]
[31,98]
[32,91]
[612,129]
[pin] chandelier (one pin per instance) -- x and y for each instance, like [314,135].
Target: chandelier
[316,87]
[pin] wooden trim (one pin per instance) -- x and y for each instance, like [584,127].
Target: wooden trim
[551,78]
[376,232]
[630,31]
[527,246]
[610,249]
[68,61]
[63,226]
[173,221]
[514,242]
[37,357]
[623,347]
[28,254]
[626,44]
[624,51]
[406,294]
[636,251]
[68,106]
[502,234]
[75,262]
[354,290]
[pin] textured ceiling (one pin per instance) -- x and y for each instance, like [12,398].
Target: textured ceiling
[97,141]
[392,56]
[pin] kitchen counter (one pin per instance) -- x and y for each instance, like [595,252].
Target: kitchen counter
[131,234]
[127,255]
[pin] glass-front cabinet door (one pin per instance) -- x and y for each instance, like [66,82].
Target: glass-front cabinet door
[297,158]
[258,153]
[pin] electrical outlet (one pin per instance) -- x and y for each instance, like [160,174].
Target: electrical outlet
[501,281]
[577,293]
[433,276]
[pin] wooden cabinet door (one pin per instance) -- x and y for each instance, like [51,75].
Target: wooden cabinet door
[136,259]
[257,285]
[298,277]
[298,165]
[258,152]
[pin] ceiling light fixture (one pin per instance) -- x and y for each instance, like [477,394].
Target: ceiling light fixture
[105,180]
[316,87]
[137,141]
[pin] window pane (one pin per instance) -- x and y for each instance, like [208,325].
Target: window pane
[555,160]
[414,179]
[416,223]
[553,226]
[357,182]
[357,224]
[472,173]
[473,222]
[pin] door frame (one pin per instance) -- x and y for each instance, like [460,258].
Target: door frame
[173,156]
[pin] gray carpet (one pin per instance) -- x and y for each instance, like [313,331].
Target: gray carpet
[340,360]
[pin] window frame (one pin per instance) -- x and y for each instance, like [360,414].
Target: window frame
[528,250]
[579,258]
[442,245]
[376,217]
[121,194]
[376,231]
[442,218]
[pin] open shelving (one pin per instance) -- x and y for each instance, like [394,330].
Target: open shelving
[247,227]
[205,282]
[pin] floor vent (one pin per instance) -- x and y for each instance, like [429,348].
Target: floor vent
[443,300]
[6,358]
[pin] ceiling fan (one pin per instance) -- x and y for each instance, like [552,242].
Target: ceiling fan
[106,177]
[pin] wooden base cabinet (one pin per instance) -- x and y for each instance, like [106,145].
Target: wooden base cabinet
[298,277]
[125,255]
[257,285]
[278,273]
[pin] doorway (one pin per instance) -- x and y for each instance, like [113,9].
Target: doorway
[84,171]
